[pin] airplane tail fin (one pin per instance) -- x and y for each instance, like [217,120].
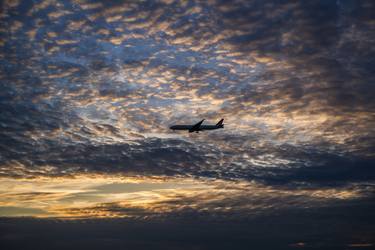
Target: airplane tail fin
[220,122]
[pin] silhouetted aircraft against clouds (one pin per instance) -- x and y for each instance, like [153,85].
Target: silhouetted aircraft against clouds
[198,127]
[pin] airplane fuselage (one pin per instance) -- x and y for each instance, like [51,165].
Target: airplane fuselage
[189,127]
[198,126]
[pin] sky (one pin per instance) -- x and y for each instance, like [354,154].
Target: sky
[90,88]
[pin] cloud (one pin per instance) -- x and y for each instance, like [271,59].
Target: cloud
[96,89]
[89,89]
[183,213]
[115,196]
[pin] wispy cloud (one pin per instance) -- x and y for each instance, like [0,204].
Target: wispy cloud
[153,197]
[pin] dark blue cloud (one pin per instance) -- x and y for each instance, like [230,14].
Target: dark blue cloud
[90,86]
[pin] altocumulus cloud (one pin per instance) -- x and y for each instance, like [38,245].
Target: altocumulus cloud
[89,89]
[91,86]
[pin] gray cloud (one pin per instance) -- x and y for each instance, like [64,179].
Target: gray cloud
[288,229]
[89,89]
[89,86]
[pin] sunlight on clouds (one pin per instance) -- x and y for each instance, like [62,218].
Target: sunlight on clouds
[89,90]
[106,80]
[119,196]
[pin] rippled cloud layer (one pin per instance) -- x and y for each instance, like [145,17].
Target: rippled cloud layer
[92,87]
[89,89]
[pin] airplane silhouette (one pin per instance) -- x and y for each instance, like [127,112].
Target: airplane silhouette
[198,126]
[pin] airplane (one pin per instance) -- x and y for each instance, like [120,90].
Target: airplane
[198,126]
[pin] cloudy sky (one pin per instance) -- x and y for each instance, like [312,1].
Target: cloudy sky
[89,89]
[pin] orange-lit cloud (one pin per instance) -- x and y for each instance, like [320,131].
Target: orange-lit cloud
[118,196]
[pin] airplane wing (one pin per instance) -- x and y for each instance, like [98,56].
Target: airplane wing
[196,126]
